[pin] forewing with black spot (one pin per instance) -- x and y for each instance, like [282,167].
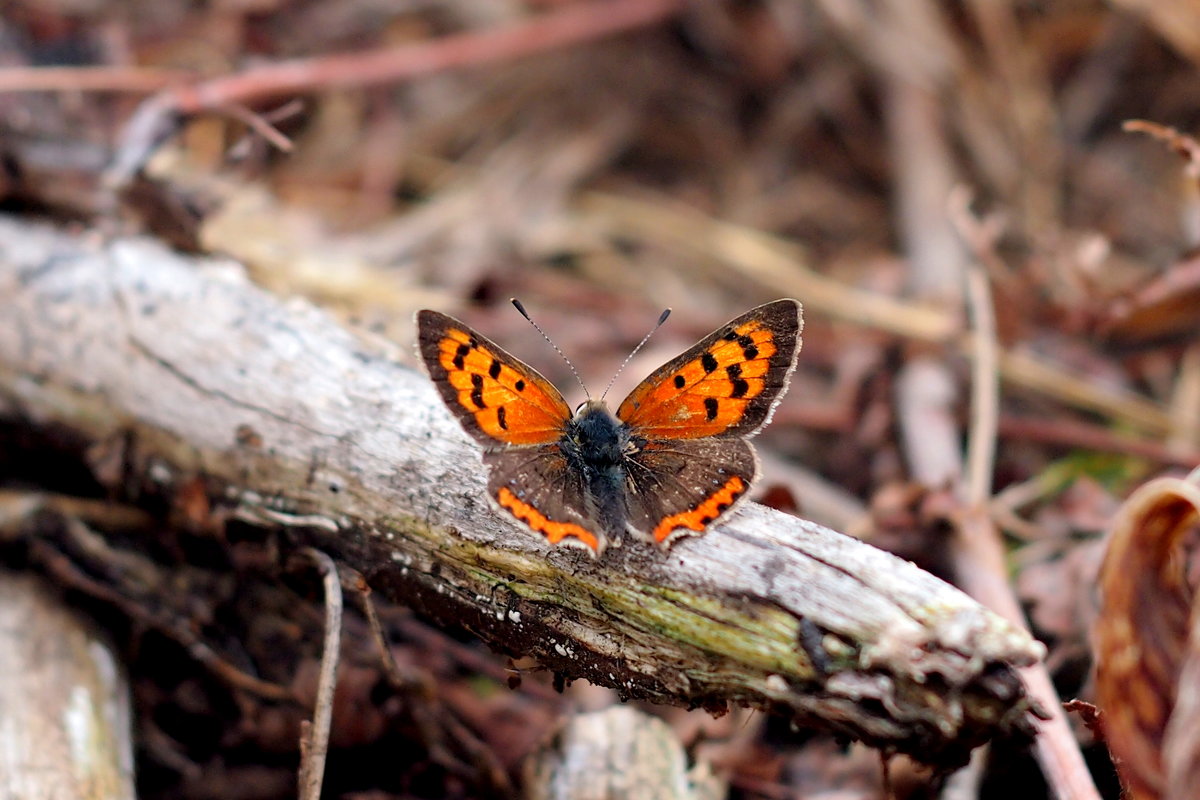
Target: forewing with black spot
[498,399]
[725,385]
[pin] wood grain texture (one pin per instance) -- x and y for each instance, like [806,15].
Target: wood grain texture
[335,436]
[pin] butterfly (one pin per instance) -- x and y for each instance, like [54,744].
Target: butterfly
[673,459]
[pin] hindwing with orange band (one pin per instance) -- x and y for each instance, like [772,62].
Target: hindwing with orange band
[680,487]
[727,384]
[497,398]
[535,485]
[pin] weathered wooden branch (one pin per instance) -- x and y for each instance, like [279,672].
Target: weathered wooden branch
[64,700]
[333,435]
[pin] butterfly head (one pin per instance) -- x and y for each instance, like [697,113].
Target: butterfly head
[591,407]
[595,436]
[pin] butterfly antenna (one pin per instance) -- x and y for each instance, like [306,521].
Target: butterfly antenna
[662,318]
[525,314]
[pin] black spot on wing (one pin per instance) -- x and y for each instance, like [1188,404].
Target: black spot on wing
[749,348]
[502,418]
[460,354]
[709,362]
[679,381]
[740,386]
[519,385]
[477,389]
[494,369]
[710,408]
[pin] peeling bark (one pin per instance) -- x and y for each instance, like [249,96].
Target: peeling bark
[333,435]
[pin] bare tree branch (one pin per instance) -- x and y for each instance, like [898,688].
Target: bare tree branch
[331,435]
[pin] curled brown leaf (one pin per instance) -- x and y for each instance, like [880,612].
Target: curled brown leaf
[1146,647]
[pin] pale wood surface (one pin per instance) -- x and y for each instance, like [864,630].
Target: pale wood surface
[333,434]
[619,753]
[64,701]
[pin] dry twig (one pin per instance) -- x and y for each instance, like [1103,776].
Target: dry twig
[980,551]
[314,738]
[158,116]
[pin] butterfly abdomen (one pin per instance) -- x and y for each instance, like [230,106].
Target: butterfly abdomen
[595,443]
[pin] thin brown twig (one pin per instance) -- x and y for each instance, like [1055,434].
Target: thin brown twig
[155,120]
[260,125]
[578,22]
[358,587]
[90,79]
[768,259]
[979,553]
[314,744]
[1185,146]
[1027,371]
[68,574]
[1074,433]
[985,362]
[264,125]
[421,691]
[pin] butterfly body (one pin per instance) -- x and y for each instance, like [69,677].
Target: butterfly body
[672,459]
[596,445]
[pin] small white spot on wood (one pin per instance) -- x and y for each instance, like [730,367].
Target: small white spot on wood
[79,725]
[777,684]
[160,473]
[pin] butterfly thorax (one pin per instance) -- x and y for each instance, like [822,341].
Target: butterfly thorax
[595,436]
[597,444]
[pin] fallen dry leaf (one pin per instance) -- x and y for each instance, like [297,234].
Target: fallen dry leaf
[1146,648]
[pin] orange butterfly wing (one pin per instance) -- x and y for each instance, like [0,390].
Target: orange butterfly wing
[499,399]
[694,414]
[727,384]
